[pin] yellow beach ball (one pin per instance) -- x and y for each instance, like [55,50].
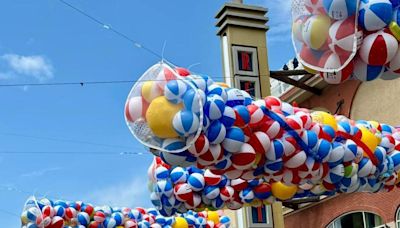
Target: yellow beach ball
[369,139]
[282,191]
[180,223]
[150,91]
[213,216]
[159,117]
[316,31]
[324,118]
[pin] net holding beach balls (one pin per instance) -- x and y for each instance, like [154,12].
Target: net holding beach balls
[378,48]
[314,6]
[330,61]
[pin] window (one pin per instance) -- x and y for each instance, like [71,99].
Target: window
[245,61]
[398,218]
[249,84]
[357,220]
[259,216]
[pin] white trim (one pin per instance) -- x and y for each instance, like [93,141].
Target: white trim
[240,218]
[268,212]
[257,93]
[227,65]
[235,50]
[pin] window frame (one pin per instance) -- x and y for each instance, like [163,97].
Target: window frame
[383,225]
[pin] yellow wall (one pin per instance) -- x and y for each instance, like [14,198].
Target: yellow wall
[378,100]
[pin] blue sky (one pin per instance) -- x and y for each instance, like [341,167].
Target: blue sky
[44,41]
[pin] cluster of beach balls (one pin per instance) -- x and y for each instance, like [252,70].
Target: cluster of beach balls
[44,213]
[272,141]
[346,39]
[178,189]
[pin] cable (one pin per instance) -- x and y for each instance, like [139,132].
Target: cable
[71,152]
[108,27]
[65,140]
[9,213]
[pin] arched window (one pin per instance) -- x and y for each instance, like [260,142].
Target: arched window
[359,219]
[398,218]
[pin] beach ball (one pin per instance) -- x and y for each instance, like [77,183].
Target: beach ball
[310,138]
[335,174]
[245,158]
[323,150]
[212,156]
[226,193]
[378,48]
[274,166]
[248,99]
[246,195]
[256,115]
[173,144]
[343,36]
[193,100]
[275,151]
[295,160]
[314,6]
[161,173]
[214,107]
[271,128]
[332,61]
[57,222]
[233,173]
[178,175]
[290,177]
[351,151]
[109,223]
[162,127]
[369,139]
[295,123]
[224,163]
[235,97]
[183,192]
[228,117]
[375,14]
[217,90]
[198,147]
[182,71]
[273,103]
[70,213]
[340,9]
[350,185]
[211,178]
[365,72]
[59,211]
[196,181]
[150,90]
[99,216]
[261,144]
[380,155]
[309,56]
[184,159]
[388,143]
[211,192]
[282,191]
[324,118]
[242,115]
[165,187]
[309,169]
[234,140]
[225,220]
[48,210]
[216,132]
[395,156]
[174,91]
[135,108]
[262,191]
[180,223]
[365,167]
[193,203]
[316,31]
[186,123]
[394,65]
[337,154]
[238,184]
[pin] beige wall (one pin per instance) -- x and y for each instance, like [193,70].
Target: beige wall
[378,100]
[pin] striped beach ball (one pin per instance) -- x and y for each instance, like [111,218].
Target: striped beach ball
[295,123]
[183,192]
[309,169]
[161,173]
[239,184]
[260,142]
[228,117]
[194,202]
[365,167]
[198,147]
[343,36]
[272,128]
[394,65]
[395,156]
[272,167]
[351,151]
[246,195]
[375,14]
[216,132]
[365,72]
[59,211]
[256,115]
[235,97]
[378,48]
[224,163]
[314,6]
[57,222]
[48,211]
[335,174]
[109,223]
[70,213]
[194,100]
[226,193]
[242,116]
[164,188]
[212,156]
[174,90]
[185,123]
[323,150]
[135,108]
[211,192]
[340,9]
[234,140]
[184,159]
[337,154]
[211,179]
[196,181]
[173,144]
[275,151]
[316,31]
[262,191]
[245,158]
[178,175]
[214,107]
[295,160]
[217,90]
[332,61]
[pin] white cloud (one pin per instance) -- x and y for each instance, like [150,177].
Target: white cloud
[130,194]
[36,66]
[39,173]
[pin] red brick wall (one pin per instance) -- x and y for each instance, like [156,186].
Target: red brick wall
[320,215]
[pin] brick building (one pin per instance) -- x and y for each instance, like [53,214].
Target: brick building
[375,100]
